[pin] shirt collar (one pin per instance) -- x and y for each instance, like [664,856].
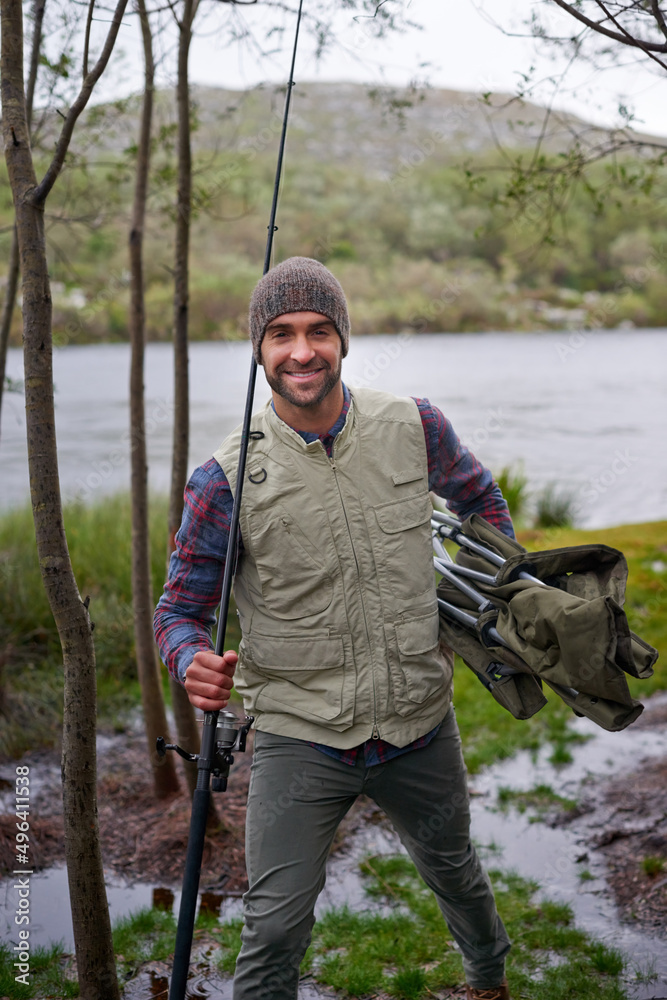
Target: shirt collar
[327,439]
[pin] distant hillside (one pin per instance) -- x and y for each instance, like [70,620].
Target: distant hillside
[380,129]
[374,187]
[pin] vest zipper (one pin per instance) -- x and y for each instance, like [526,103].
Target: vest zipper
[375,732]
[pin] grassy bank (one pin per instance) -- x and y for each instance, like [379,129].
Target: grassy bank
[99,543]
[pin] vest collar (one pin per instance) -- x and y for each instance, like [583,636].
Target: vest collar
[294,440]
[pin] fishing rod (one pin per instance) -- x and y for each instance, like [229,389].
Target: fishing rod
[218,741]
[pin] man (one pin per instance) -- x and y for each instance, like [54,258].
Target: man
[340,661]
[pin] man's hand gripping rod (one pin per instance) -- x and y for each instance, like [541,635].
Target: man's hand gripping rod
[217,741]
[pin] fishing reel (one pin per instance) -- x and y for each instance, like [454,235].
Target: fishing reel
[230,736]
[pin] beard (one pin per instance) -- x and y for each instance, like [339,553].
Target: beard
[306,395]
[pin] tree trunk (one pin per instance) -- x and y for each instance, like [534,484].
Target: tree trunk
[186,726]
[181,435]
[188,734]
[90,914]
[8,308]
[13,267]
[155,717]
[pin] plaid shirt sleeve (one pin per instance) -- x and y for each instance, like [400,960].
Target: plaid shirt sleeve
[455,474]
[185,614]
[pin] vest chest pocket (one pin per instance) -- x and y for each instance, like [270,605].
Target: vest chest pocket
[405,538]
[294,580]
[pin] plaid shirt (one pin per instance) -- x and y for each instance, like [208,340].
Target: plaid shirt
[185,615]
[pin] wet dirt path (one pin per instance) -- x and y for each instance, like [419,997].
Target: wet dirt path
[589,857]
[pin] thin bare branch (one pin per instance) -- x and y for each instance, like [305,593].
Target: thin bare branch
[78,106]
[630,39]
[38,19]
[597,26]
[86,43]
[548,113]
[659,16]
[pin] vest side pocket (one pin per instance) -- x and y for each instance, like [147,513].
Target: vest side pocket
[305,676]
[418,668]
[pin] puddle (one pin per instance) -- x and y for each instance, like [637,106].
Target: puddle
[551,856]
[555,857]
[50,917]
[153,983]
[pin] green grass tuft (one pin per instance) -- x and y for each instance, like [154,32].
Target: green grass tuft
[228,936]
[560,755]
[514,487]
[144,936]
[554,508]
[51,974]
[607,960]
[410,984]
[653,865]
[540,798]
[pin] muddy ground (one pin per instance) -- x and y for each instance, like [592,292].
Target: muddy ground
[144,839]
[626,821]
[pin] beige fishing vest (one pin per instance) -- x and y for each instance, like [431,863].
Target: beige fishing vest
[335,585]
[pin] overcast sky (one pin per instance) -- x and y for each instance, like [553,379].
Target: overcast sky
[460,46]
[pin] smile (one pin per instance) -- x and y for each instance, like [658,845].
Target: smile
[304,376]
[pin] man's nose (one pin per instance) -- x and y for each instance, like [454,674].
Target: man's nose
[302,350]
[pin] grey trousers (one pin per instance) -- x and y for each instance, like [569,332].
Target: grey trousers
[298,796]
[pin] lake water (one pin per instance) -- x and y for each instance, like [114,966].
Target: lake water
[586,411]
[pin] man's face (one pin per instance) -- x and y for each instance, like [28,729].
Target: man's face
[302,354]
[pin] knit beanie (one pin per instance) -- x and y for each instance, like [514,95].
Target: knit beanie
[299,284]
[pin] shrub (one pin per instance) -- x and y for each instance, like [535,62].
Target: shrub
[554,508]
